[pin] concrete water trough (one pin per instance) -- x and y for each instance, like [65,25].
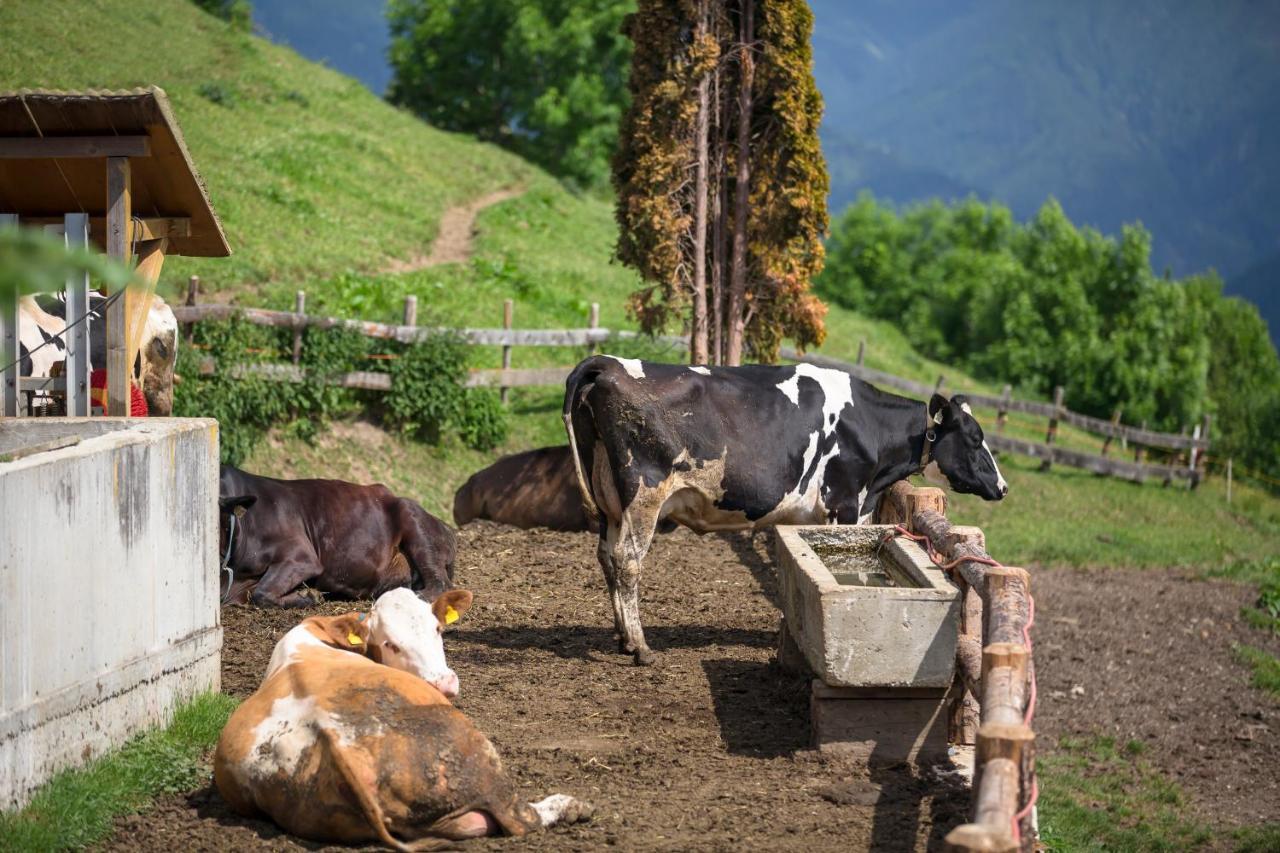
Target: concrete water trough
[867,615]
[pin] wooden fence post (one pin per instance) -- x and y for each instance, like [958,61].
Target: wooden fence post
[508,312]
[299,308]
[862,351]
[1202,468]
[193,288]
[937,386]
[1193,458]
[1138,450]
[410,311]
[1002,415]
[593,322]
[1115,421]
[1052,434]
[1229,460]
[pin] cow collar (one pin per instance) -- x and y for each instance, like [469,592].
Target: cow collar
[226,558]
[930,436]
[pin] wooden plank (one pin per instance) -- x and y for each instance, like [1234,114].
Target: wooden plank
[67,147]
[119,246]
[518,377]
[145,228]
[76,231]
[9,365]
[56,384]
[372,381]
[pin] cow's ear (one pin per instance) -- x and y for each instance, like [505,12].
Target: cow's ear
[348,631]
[450,606]
[237,504]
[960,403]
[938,409]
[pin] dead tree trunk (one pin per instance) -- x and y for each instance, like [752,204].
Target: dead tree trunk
[718,212]
[698,340]
[736,319]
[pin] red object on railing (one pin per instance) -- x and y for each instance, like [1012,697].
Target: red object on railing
[98,394]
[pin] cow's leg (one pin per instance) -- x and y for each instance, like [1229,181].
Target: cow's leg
[610,578]
[279,586]
[240,591]
[628,547]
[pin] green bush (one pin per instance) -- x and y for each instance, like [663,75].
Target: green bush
[428,397]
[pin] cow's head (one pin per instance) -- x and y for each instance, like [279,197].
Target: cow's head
[407,633]
[157,354]
[961,459]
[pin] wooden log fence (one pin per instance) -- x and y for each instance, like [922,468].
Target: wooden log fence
[994,664]
[1050,452]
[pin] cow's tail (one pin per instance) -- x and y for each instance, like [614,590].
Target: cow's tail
[575,386]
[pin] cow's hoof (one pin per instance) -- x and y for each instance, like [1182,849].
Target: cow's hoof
[645,657]
[578,811]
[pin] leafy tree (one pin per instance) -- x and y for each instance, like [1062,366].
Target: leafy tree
[545,78]
[1040,304]
[719,174]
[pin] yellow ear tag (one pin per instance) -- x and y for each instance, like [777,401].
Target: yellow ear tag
[450,615]
[353,638]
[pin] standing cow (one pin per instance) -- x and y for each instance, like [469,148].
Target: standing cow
[347,540]
[740,448]
[352,738]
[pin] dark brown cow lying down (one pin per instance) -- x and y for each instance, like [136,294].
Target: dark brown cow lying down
[335,746]
[536,488]
[347,540]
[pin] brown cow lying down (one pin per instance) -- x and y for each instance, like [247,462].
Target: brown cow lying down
[343,539]
[351,737]
[536,488]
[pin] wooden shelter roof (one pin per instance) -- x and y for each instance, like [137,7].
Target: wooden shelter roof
[165,183]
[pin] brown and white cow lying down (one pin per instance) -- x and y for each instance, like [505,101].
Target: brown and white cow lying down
[536,488]
[336,746]
[343,539]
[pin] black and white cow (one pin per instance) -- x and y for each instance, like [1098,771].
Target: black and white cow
[736,448]
[42,321]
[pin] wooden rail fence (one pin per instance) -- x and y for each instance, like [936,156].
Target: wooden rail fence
[995,674]
[1186,451]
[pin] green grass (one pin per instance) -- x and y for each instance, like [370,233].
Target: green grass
[1265,667]
[1257,839]
[77,807]
[1096,795]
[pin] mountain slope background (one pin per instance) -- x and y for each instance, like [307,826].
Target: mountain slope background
[1143,111]
[322,186]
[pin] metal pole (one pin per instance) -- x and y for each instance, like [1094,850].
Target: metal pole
[9,342]
[76,228]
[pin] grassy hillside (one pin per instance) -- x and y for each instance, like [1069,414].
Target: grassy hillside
[310,174]
[320,185]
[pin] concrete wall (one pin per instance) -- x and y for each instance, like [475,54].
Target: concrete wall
[108,587]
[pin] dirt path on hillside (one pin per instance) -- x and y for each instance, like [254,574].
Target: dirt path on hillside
[453,241]
[708,749]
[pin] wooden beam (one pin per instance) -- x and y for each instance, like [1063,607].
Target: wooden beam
[145,228]
[67,147]
[119,246]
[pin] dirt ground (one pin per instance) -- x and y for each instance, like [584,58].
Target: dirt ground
[708,749]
